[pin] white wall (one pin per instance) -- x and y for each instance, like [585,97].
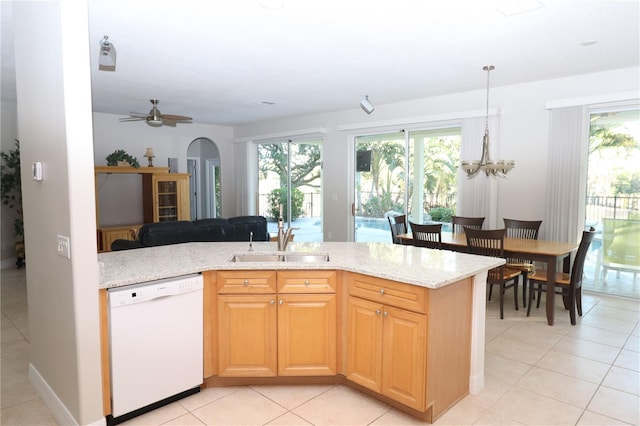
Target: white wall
[54,122]
[523,137]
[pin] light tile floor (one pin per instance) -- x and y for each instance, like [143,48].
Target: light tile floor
[588,374]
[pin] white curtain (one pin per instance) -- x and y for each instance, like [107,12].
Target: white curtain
[245,169]
[476,195]
[566,174]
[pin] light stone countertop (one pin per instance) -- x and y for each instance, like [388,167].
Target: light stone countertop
[408,264]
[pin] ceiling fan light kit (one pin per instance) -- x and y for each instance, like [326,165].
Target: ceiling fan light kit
[107,58]
[155,118]
[490,168]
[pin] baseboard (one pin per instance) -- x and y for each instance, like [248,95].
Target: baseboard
[476,383]
[51,400]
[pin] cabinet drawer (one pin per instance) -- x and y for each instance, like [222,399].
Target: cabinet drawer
[243,282]
[306,281]
[387,292]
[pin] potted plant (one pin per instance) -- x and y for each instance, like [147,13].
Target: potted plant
[11,195]
[119,156]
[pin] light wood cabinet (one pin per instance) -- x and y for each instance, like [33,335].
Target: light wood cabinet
[109,234]
[262,333]
[165,197]
[408,343]
[247,335]
[307,335]
[386,350]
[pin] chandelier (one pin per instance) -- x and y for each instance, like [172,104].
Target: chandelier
[490,168]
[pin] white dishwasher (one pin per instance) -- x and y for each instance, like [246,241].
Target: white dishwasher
[155,332]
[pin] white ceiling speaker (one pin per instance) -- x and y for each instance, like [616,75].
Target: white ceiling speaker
[366,105]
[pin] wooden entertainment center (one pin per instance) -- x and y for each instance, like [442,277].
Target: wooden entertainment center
[165,197]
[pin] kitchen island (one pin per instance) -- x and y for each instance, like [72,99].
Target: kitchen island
[433,299]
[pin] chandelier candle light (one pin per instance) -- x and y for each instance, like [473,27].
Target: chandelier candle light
[490,168]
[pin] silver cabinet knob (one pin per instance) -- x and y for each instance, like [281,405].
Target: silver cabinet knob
[382,291]
[306,282]
[245,282]
[378,311]
[273,302]
[385,314]
[281,301]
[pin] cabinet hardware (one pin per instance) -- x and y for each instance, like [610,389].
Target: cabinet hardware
[378,311]
[385,314]
[281,301]
[273,302]
[306,282]
[382,291]
[246,282]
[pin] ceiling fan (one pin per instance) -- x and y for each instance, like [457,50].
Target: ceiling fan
[155,118]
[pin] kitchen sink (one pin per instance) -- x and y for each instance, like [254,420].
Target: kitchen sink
[287,257]
[306,258]
[257,258]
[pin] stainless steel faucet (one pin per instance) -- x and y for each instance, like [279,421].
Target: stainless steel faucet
[283,236]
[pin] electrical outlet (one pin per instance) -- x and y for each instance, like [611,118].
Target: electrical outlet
[63,247]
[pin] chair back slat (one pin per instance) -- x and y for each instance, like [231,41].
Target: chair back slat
[459,222]
[485,242]
[398,226]
[525,229]
[429,236]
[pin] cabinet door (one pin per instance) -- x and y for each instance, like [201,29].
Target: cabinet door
[404,352]
[247,335]
[109,235]
[364,343]
[307,335]
[166,197]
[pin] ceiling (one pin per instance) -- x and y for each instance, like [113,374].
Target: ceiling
[232,62]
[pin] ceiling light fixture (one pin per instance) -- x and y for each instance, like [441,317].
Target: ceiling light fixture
[107,59]
[493,168]
[366,105]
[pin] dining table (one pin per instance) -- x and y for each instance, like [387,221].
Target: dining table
[548,252]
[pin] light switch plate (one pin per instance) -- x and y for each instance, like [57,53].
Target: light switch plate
[63,247]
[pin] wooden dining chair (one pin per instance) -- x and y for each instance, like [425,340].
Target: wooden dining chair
[429,236]
[491,243]
[398,226]
[459,222]
[568,284]
[526,229]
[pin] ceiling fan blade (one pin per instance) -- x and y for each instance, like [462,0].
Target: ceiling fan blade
[169,123]
[176,117]
[133,118]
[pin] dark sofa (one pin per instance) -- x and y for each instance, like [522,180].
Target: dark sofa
[204,230]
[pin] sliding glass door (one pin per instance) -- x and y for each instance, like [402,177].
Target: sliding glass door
[290,183]
[613,202]
[406,172]
[380,186]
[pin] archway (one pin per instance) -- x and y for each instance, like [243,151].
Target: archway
[203,163]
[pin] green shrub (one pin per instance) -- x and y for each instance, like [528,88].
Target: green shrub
[278,197]
[441,214]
